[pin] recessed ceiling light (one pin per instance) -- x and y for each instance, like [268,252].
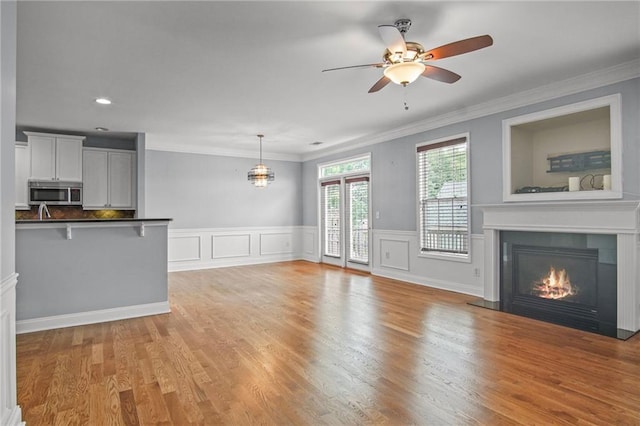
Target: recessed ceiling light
[102,129]
[103,101]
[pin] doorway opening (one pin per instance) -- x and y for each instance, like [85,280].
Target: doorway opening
[345,205]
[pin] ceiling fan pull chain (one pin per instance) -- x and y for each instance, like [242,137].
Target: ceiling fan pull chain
[404,91]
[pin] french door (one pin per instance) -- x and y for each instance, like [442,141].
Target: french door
[345,221]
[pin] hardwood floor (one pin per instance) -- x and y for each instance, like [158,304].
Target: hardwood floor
[300,343]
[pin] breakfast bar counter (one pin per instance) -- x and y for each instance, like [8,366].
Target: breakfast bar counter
[82,271]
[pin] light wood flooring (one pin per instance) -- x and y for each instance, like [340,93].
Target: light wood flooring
[306,344]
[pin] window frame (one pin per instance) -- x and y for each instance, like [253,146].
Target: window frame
[456,257]
[355,158]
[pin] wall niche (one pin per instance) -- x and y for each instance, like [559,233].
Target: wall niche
[573,152]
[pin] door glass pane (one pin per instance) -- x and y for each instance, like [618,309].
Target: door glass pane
[358,221]
[331,196]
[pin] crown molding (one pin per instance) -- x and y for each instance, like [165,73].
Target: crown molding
[195,149]
[581,83]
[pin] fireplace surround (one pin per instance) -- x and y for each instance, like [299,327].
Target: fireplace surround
[584,230]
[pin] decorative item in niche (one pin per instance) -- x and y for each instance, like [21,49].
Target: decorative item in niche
[579,161]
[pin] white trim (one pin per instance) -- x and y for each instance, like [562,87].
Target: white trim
[365,156]
[233,261]
[55,135]
[280,250]
[438,273]
[89,224]
[222,152]
[428,282]
[391,232]
[9,283]
[91,317]
[456,257]
[620,218]
[14,417]
[581,83]
[615,136]
[313,254]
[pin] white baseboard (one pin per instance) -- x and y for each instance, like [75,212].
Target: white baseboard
[224,263]
[428,282]
[91,317]
[13,417]
[310,258]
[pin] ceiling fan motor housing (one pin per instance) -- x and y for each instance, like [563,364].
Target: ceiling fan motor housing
[414,51]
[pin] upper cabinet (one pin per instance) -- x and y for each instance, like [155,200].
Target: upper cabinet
[109,179]
[573,152]
[55,157]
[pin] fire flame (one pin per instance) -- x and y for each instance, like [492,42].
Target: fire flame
[556,285]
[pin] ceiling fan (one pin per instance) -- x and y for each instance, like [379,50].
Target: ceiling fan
[405,61]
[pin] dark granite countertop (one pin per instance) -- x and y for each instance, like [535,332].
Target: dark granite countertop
[92,220]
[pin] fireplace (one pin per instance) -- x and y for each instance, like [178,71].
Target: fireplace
[610,227]
[564,278]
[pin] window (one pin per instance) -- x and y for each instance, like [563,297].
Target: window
[343,167]
[442,196]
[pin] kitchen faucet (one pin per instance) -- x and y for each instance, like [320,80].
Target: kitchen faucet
[43,209]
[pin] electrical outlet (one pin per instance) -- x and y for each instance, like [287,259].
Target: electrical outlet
[476,272]
[387,255]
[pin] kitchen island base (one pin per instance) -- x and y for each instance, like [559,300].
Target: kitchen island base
[108,270]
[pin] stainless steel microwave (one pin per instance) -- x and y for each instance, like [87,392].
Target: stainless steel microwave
[55,192]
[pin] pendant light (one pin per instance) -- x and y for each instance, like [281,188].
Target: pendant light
[260,175]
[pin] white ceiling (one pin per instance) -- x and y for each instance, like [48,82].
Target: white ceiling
[209,76]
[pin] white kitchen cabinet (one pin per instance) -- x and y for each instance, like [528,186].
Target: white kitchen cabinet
[108,179]
[23,160]
[55,157]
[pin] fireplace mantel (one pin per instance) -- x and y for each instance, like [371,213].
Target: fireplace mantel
[621,218]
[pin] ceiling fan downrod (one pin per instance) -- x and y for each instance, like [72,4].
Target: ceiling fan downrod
[403,25]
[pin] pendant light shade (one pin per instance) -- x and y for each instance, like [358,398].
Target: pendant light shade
[260,175]
[404,73]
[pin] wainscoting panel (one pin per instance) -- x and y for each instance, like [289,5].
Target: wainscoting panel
[310,244]
[396,255]
[184,248]
[191,249]
[10,413]
[276,244]
[224,246]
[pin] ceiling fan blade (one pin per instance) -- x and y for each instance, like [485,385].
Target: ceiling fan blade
[380,84]
[440,74]
[378,65]
[458,47]
[392,38]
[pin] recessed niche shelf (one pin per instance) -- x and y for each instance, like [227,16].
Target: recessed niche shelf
[543,150]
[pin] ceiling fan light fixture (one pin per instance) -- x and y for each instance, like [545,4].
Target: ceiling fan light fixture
[404,73]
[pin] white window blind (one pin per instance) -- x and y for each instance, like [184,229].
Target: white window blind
[331,217]
[442,193]
[357,196]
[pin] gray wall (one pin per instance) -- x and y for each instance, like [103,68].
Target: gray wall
[99,268]
[393,179]
[208,191]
